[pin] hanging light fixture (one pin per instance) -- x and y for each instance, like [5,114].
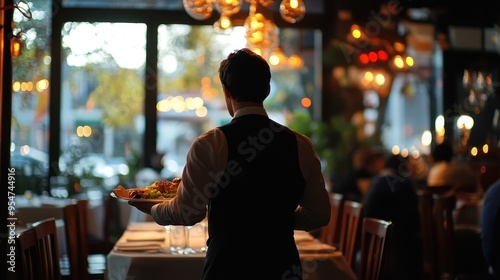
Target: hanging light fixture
[198,9]
[16,43]
[292,11]
[226,8]
[261,32]
[16,46]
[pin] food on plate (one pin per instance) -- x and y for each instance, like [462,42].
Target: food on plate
[160,189]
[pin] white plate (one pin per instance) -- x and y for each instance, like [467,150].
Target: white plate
[157,200]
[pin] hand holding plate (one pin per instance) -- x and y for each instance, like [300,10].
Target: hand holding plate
[143,205]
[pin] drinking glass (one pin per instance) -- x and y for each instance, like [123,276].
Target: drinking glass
[178,240]
[198,237]
[188,249]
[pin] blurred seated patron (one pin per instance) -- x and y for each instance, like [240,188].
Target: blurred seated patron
[490,228]
[392,197]
[367,162]
[444,171]
[464,183]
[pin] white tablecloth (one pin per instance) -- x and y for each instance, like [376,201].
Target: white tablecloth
[29,211]
[316,265]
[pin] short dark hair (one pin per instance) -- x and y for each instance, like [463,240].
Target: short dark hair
[400,164]
[443,152]
[246,75]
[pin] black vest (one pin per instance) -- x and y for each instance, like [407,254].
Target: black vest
[254,202]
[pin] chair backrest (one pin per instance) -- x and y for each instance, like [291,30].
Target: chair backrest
[351,220]
[330,233]
[27,245]
[425,209]
[445,238]
[48,249]
[75,247]
[93,255]
[82,206]
[375,237]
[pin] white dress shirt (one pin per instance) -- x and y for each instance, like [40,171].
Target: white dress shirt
[205,163]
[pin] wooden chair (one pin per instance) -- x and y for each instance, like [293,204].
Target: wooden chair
[444,228]
[351,220]
[75,267]
[93,265]
[375,237]
[48,250]
[330,233]
[458,250]
[27,245]
[425,208]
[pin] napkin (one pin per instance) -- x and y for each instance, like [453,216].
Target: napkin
[315,247]
[145,236]
[145,227]
[146,246]
[302,236]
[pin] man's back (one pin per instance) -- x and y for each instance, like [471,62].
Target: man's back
[262,186]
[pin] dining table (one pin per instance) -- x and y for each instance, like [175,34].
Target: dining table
[41,207]
[143,252]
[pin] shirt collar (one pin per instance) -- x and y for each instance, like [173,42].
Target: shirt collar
[253,110]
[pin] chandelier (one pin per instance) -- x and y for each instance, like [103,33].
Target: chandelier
[261,31]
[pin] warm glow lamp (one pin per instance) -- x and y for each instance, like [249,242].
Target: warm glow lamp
[16,46]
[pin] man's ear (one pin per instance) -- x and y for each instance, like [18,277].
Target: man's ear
[227,93]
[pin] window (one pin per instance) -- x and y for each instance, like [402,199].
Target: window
[30,99]
[104,112]
[102,100]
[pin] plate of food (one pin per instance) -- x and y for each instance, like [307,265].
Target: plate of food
[159,191]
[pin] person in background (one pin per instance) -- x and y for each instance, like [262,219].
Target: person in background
[444,171]
[392,197]
[258,180]
[490,228]
[464,183]
[367,162]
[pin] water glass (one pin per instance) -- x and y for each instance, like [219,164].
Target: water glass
[198,237]
[178,239]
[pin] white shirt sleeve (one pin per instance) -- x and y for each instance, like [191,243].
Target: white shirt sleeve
[314,207]
[205,163]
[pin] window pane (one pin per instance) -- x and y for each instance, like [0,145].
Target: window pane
[30,97]
[190,98]
[102,102]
